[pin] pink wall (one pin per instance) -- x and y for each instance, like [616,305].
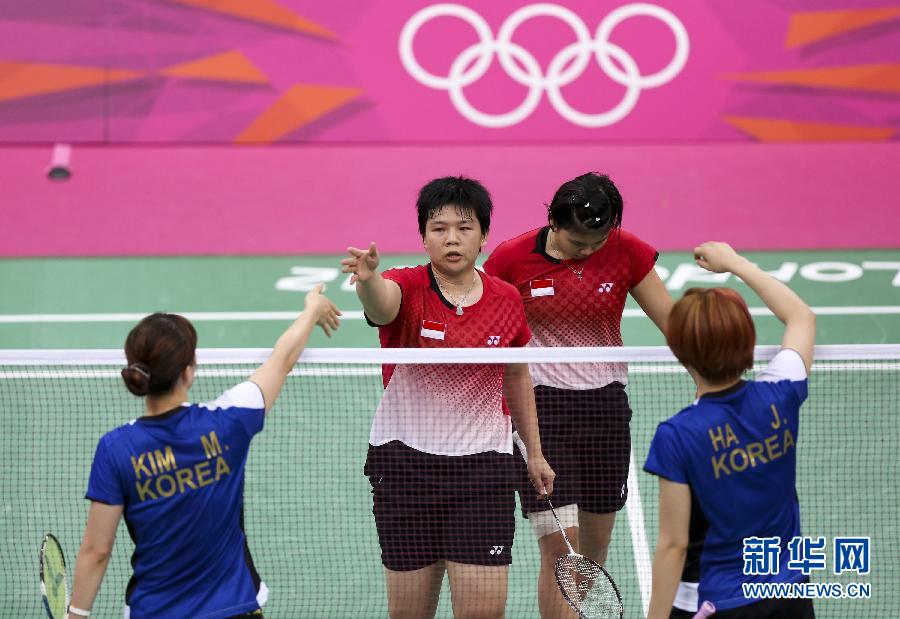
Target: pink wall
[318,199]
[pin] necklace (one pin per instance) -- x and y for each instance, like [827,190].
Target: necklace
[565,263]
[457,302]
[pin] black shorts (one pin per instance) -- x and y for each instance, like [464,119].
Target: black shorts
[764,609]
[429,508]
[586,438]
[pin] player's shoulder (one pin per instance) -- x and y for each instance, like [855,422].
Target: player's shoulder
[121,434]
[244,395]
[630,240]
[408,275]
[418,270]
[504,290]
[518,245]
[688,418]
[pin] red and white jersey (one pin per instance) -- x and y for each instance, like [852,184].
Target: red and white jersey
[565,310]
[448,409]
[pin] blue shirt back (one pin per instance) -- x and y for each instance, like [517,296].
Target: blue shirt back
[180,478]
[737,450]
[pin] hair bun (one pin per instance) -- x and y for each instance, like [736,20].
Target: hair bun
[137,379]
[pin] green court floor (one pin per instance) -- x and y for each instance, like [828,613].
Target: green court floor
[92,303]
[307,503]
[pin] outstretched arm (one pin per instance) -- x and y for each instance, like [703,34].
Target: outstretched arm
[798,319]
[270,375]
[380,297]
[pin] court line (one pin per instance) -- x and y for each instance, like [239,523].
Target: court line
[850,310]
[640,550]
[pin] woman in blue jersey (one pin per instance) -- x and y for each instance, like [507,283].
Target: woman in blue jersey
[728,463]
[177,476]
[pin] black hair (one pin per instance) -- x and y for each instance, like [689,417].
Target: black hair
[588,203]
[466,194]
[158,349]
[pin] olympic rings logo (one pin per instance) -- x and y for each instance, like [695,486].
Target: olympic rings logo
[568,65]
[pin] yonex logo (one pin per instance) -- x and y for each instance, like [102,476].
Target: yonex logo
[472,63]
[493,340]
[605,287]
[624,488]
[496,550]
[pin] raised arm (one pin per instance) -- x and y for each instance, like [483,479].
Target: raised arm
[798,319]
[271,374]
[380,297]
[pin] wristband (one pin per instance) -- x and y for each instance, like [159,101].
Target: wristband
[79,611]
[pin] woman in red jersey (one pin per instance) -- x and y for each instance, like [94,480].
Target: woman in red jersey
[440,458]
[574,276]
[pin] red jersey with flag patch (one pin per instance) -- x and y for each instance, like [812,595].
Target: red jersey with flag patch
[565,310]
[448,409]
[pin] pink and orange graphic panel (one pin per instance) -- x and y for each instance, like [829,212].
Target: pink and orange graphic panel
[412,71]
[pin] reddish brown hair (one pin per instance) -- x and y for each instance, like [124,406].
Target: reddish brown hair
[158,349]
[710,330]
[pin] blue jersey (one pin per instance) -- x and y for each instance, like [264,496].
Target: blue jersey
[737,450]
[180,478]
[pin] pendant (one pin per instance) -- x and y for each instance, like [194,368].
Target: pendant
[459,311]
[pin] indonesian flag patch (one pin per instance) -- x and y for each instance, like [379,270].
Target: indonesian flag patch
[542,288]
[433,330]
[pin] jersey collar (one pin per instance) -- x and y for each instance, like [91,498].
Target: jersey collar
[163,416]
[724,392]
[540,245]
[437,289]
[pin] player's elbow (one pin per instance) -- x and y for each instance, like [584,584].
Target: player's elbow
[673,545]
[803,318]
[806,314]
[95,552]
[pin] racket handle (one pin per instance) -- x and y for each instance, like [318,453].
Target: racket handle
[521,445]
[706,609]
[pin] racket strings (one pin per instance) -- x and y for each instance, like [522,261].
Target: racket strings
[54,585]
[587,588]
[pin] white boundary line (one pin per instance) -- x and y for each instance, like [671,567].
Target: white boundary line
[358,315]
[643,563]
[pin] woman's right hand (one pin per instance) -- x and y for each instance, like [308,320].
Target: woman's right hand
[361,263]
[716,257]
[322,309]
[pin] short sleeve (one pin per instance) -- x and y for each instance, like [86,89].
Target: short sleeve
[643,259]
[787,365]
[243,404]
[403,278]
[665,457]
[104,485]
